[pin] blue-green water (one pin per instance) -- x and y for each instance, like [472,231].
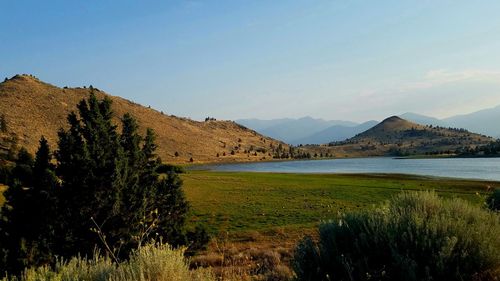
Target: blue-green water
[471,168]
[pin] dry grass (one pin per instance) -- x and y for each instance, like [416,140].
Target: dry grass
[34,108]
[252,255]
[158,262]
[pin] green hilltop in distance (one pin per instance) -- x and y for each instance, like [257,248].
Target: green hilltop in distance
[34,108]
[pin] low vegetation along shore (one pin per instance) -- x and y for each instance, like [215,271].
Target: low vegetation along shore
[103,206]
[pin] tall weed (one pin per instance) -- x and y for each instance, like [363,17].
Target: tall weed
[154,262]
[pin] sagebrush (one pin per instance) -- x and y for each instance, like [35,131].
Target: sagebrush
[416,236]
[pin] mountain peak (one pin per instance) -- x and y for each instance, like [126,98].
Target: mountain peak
[309,118]
[23,77]
[24,81]
[392,119]
[388,126]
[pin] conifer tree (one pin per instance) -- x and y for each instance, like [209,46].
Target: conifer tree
[28,215]
[111,185]
[166,197]
[13,243]
[130,141]
[41,207]
[105,190]
[132,212]
[91,166]
[23,170]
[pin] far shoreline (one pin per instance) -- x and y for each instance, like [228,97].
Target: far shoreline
[229,162]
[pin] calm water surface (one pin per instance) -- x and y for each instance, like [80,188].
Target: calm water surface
[471,168]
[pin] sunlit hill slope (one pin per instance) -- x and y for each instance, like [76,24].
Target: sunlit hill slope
[34,108]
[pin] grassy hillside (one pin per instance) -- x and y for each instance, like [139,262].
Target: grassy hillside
[396,136]
[34,108]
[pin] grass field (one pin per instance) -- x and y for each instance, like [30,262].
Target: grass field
[239,202]
[255,216]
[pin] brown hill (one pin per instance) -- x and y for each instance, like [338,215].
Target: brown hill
[388,127]
[34,108]
[396,136]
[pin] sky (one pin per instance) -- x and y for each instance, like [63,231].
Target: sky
[349,60]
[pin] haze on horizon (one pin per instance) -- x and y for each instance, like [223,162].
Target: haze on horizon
[349,60]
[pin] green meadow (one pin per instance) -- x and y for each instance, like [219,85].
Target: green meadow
[247,201]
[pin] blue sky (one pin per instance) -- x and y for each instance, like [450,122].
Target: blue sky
[353,60]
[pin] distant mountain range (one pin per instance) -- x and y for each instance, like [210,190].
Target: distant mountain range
[481,122]
[335,133]
[308,130]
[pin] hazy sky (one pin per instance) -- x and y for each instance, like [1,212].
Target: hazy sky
[354,60]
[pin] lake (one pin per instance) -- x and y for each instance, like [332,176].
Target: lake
[470,168]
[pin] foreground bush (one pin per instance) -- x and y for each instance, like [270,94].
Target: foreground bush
[416,236]
[493,201]
[149,263]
